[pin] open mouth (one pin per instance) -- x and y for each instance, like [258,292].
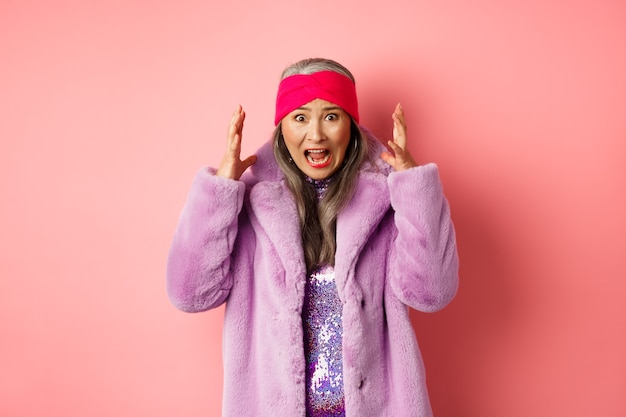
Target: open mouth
[318,158]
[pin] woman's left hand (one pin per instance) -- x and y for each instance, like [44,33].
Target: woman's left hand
[401,158]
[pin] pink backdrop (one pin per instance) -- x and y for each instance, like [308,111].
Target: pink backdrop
[107,109]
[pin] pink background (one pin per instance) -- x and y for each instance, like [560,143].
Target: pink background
[107,109]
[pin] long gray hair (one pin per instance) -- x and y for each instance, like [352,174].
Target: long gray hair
[318,220]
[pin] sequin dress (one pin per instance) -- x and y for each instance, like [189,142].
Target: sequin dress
[323,334]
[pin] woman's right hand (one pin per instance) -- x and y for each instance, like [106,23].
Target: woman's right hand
[232,166]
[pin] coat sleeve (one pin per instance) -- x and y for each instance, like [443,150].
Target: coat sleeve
[424,261]
[198,274]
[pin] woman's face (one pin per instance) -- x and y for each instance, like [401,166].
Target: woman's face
[317,136]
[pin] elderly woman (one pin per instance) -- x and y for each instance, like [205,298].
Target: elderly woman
[317,251]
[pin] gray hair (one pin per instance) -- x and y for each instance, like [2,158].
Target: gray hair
[318,220]
[312,65]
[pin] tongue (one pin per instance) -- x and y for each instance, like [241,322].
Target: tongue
[318,156]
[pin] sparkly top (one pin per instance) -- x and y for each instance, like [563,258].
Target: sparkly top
[323,334]
[321,186]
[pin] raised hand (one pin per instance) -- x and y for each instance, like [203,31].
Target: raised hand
[232,166]
[401,159]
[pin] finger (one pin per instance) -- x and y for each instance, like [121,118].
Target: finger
[242,118]
[248,162]
[232,126]
[235,146]
[388,158]
[402,158]
[399,126]
[397,149]
[235,131]
[236,116]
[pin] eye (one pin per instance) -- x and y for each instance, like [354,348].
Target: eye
[299,118]
[331,116]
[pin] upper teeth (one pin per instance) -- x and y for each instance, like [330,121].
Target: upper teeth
[317,151]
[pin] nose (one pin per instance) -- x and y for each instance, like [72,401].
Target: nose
[316,131]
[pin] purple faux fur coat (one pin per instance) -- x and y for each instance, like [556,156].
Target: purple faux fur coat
[239,242]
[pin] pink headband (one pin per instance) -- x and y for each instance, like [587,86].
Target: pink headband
[297,90]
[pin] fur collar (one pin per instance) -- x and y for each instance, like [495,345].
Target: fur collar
[266,186]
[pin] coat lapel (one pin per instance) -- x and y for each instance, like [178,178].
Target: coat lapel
[357,222]
[273,206]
